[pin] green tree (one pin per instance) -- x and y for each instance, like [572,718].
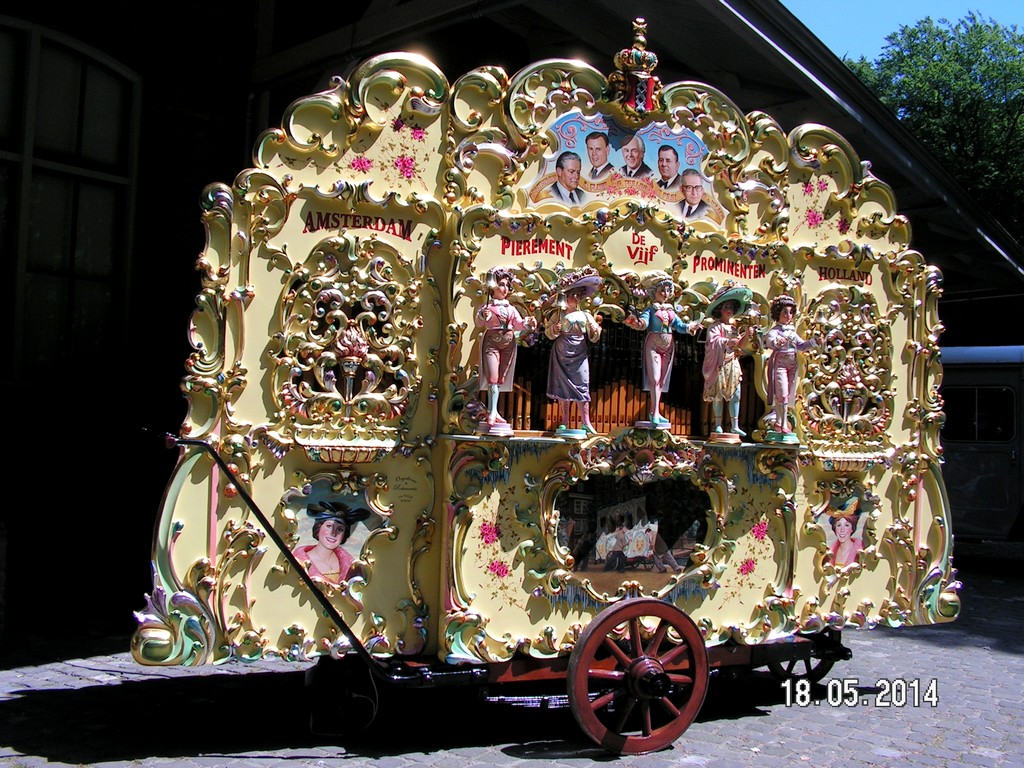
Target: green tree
[960,89]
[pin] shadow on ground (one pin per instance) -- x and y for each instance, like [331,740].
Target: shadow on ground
[225,714]
[992,599]
[180,717]
[29,650]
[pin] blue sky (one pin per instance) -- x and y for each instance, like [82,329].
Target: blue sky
[865,35]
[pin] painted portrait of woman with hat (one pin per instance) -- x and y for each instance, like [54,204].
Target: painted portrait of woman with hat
[844,521]
[333,522]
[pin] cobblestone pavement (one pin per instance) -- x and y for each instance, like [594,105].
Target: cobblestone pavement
[105,710]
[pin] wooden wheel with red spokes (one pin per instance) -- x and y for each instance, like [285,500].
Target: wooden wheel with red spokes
[638,676]
[814,667]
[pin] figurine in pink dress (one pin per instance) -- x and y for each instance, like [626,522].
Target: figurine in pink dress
[500,321]
[783,343]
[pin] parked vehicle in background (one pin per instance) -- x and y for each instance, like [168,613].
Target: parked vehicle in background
[983,438]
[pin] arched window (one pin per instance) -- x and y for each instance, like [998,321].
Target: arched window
[69,120]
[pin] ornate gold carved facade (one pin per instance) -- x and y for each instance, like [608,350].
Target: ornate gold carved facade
[337,363]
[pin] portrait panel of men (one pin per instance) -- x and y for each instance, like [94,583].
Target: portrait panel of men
[598,149]
[633,156]
[567,175]
[668,169]
[693,206]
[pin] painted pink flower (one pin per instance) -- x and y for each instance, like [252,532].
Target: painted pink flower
[747,566]
[844,226]
[822,185]
[489,532]
[760,530]
[361,164]
[808,188]
[406,166]
[499,569]
[418,133]
[814,218]
[397,124]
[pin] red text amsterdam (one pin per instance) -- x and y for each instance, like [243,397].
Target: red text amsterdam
[317,220]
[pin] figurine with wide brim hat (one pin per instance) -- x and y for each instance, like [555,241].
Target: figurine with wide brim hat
[729,292]
[586,279]
[721,367]
[654,278]
[572,329]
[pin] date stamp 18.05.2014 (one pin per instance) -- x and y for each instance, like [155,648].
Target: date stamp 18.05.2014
[850,692]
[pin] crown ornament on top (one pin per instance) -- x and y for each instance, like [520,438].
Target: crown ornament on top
[633,84]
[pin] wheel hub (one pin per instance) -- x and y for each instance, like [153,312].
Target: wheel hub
[647,679]
[616,694]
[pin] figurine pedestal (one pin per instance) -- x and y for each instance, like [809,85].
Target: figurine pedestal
[644,424]
[571,434]
[729,438]
[499,429]
[782,437]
